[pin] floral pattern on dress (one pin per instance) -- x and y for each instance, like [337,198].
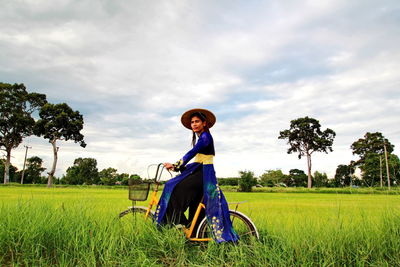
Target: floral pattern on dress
[217,229]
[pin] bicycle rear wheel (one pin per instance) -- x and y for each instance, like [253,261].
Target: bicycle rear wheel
[242,224]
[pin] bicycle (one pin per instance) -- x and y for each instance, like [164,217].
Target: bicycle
[138,191]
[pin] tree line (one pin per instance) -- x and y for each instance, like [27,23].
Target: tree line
[378,164]
[56,122]
[305,137]
[84,171]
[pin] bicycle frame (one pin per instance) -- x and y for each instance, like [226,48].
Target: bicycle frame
[154,201]
[153,197]
[189,231]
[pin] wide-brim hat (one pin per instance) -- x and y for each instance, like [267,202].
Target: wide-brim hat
[210,117]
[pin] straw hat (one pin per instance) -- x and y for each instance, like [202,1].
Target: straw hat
[210,117]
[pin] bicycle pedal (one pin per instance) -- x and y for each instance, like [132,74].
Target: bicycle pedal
[180,226]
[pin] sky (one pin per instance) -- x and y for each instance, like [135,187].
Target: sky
[131,68]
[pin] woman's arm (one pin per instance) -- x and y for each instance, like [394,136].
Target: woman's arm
[203,142]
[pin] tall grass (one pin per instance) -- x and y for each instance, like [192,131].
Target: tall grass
[79,227]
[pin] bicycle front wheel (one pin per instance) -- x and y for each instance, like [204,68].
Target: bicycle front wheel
[242,225]
[134,217]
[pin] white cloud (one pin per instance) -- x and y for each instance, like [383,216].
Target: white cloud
[132,68]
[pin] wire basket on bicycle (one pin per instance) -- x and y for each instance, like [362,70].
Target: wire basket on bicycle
[138,190]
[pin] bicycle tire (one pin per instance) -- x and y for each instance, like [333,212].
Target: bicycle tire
[242,224]
[135,217]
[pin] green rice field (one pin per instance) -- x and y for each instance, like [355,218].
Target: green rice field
[78,226]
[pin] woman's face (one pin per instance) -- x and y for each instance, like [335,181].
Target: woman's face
[197,125]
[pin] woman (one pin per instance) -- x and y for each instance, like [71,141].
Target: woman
[196,181]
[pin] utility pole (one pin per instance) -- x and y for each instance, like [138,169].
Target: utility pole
[387,164]
[23,169]
[380,169]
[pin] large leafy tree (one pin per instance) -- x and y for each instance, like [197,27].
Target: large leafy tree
[83,171]
[371,152]
[372,143]
[306,137]
[16,122]
[59,122]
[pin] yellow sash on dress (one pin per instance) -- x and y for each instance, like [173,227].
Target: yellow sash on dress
[205,159]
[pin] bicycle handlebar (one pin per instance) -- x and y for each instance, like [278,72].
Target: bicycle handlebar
[160,169]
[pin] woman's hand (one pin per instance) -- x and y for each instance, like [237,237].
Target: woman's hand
[169,166]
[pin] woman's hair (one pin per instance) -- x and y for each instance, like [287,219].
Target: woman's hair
[203,118]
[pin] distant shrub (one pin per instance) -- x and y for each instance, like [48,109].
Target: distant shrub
[228,181]
[246,181]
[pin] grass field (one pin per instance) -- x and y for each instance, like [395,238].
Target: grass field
[79,226]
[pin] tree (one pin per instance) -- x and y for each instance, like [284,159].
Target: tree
[372,143]
[108,176]
[33,170]
[16,122]
[320,179]
[371,150]
[272,177]
[122,178]
[246,181]
[12,171]
[84,171]
[373,169]
[59,122]
[305,137]
[134,177]
[394,163]
[296,178]
[344,175]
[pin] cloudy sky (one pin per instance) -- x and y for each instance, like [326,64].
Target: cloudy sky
[133,67]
